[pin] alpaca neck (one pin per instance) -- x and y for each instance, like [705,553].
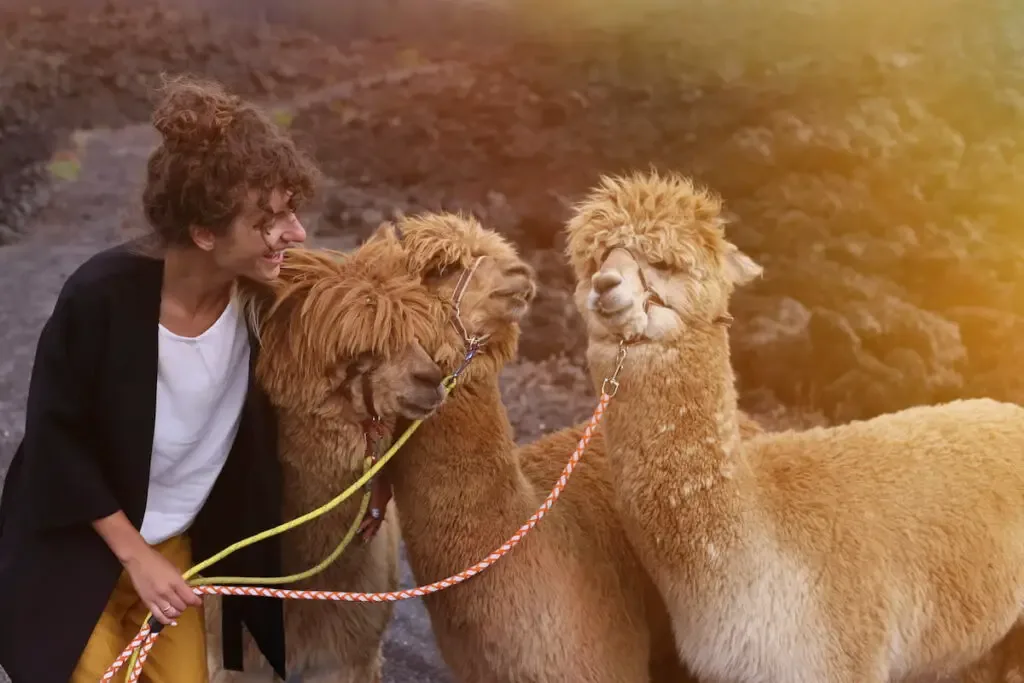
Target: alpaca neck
[324,456]
[673,429]
[457,484]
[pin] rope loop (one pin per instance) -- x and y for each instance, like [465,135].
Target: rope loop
[143,642]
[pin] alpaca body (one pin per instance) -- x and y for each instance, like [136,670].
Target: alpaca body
[341,352]
[573,601]
[327,641]
[570,603]
[880,550]
[593,495]
[883,550]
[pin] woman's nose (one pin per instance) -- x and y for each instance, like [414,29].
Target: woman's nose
[295,232]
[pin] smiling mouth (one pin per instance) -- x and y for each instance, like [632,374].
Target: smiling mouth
[275,257]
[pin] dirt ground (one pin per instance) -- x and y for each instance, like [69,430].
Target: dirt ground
[876,183]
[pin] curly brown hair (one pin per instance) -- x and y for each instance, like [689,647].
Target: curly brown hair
[216,148]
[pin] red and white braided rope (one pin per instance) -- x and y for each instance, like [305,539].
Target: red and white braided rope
[146,640]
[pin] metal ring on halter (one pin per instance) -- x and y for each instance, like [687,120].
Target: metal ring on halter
[473,348]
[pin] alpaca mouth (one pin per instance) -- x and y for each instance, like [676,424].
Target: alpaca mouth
[517,303]
[518,308]
[516,293]
[607,306]
[418,410]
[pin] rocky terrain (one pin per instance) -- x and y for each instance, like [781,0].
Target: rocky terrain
[869,159]
[875,186]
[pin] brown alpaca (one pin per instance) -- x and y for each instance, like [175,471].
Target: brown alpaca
[572,603]
[340,344]
[883,550]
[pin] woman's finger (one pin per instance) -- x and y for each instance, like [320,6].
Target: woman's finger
[158,612]
[169,597]
[188,595]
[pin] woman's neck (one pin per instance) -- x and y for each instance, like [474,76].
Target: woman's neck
[194,283]
[458,487]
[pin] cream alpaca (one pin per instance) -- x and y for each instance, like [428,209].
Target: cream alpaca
[327,379]
[572,603]
[882,550]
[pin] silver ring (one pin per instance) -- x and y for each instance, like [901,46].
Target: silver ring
[165,609]
[375,513]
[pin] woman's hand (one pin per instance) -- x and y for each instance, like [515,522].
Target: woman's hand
[160,586]
[157,581]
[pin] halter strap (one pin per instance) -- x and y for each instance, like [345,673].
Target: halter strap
[460,290]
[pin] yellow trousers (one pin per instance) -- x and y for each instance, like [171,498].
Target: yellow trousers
[179,655]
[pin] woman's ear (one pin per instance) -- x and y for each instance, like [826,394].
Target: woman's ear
[202,237]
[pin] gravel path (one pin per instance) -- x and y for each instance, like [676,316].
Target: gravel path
[96,209]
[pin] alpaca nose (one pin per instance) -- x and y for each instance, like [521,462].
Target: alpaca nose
[430,377]
[605,281]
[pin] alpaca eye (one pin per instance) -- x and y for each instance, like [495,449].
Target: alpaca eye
[434,274]
[363,363]
[346,372]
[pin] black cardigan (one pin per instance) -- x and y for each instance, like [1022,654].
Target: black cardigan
[86,453]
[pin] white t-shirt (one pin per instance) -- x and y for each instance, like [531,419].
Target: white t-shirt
[201,386]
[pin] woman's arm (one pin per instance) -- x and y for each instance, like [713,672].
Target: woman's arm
[124,540]
[157,581]
[69,487]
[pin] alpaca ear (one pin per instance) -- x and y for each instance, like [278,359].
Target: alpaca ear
[384,232]
[362,363]
[740,268]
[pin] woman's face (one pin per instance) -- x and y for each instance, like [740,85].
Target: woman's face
[254,244]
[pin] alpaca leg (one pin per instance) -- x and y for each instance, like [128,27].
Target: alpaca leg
[670,670]
[1002,664]
[255,666]
[211,615]
[352,672]
[214,661]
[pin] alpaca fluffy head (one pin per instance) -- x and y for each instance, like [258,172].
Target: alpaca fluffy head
[339,331]
[447,249]
[651,258]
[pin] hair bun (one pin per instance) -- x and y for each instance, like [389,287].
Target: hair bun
[193,114]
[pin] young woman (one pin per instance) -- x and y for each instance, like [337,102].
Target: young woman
[148,447]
